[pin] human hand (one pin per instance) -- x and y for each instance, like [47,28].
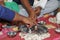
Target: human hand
[38,10]
[33,16]
[36,13]
[28,21]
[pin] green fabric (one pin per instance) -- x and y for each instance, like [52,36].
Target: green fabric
[12,5]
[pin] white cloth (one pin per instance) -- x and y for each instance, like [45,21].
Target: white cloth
[40,3]
[58,17]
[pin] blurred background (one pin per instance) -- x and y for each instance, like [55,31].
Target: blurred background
[59,3]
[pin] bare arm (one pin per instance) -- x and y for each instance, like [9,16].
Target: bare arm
[27,6]
[17,17]
[23,19]
[10,15]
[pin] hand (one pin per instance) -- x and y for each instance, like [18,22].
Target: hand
[37,10]
[34,14]
[28,21]
[33,17]
[23,19]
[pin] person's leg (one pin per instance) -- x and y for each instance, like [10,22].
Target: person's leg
[50,7]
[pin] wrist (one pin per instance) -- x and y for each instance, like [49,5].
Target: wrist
[32,13]
[21,18]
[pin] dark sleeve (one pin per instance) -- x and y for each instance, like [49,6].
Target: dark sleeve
[19,2]
[6,13]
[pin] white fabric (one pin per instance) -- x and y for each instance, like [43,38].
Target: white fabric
[40,3]
[58,17]
[32,36]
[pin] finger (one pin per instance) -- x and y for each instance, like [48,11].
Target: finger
[35,22]
[37,11]
[29,24]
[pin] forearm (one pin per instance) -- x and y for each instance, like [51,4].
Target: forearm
[18,17]
[27,6]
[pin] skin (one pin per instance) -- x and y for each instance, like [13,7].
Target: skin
[20,18]
[23,19]
[58,10]
[38,10]
[32,13]
[31,20]
[29,9]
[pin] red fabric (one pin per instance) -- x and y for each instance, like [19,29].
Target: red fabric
[53,36]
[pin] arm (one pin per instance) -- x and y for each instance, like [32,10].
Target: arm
[27,6]
[31,12]
[10,15]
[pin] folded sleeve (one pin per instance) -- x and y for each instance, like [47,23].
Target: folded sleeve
[6,13]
